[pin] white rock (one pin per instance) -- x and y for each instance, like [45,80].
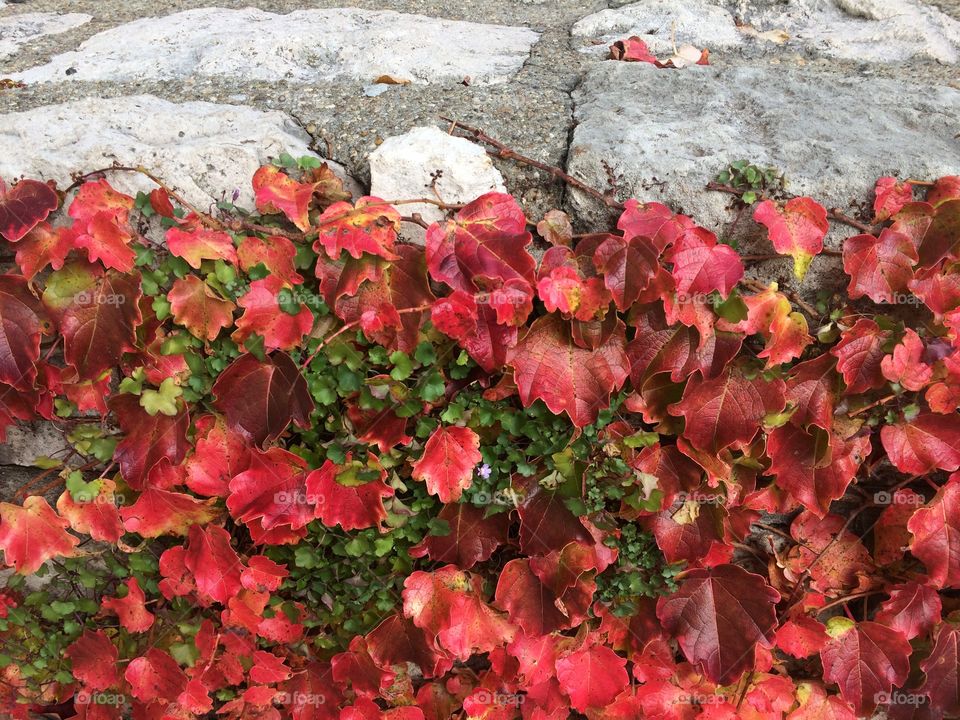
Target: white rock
[202,149]
[661,22]
[28,441]
[404,167]
[665,135]
[17,30]
[888,31]
[302,46]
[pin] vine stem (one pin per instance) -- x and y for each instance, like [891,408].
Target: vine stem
[504,152]
[871,406]
[353,324]
[848,598]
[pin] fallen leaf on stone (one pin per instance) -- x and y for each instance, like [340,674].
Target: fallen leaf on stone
[391,80]
[778,36]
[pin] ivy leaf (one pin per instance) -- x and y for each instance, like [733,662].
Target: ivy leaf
[913,609]
[219,455]
[770,315]
[940,668]
[548,366]
[215,566]
[195,306]
[718,616]
[93,660]
[591,676]
[472,538]
[889,198]
[97,313]
[272,490]
[866,660]
[148,439]
[22,321]
[95,515]
[727,410]
[796,228]
[24,206]
[940,239]
[906,366]
[42,246]
[449,457]
[701,265]
[812,388]
[928,442]
[368,227]
[351,507]
[936,535]
[276,253]
[652,220]
[133,613]
[163,400]
[879,267]
[259,399]
[397,641]
[447,605]
[859,355]
[155,676]
[195,243]
[162,512]
[32,534]
[282,328]
[276,192]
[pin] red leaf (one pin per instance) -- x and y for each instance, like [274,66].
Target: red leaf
[927,442]
[770,315]
[215,565]
[195,243]
[276,253]
[796,228]
[549,367]
[344,498]
[272,490]
[449,457]
[276,192]
[936,535]
[654,221]
[155,676]
[24,206]
[802,636]
[567,286]
[836,559]
[260,398]
[198,308]
[94,516]
[719,616]
[913,609]
[397,641]
[701,265]
[865,660]
[942,670]
[472,537]
[448,606]
[131,610]
[368,227]
[812,387]
[906,366]
[264,314]
[815,704]
[859,354]
[22,320]
[32,534]
[880,268]
[591,676]
[455,315]
[890,197]
[633,49]
[93,660]
[161,512]
[97,312]
[148,439]
[727,410]
[530,603]
[220,454]
[42,246]
[940,239]
[547,525]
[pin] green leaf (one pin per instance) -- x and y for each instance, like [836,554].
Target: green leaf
[402,366]
[162,401]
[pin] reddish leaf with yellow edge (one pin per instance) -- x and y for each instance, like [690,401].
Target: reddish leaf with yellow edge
[879,267]
[936,535]
[548,366]
[148,439]
[370,226]
[719,616]
[195,243]
[198,308]
[131,609]
[815,704]
[94,516]
[162,512]
[905,365]
[93,660]
[448,605]
[350,495]
[265,313]
[591,676]
[859,356]
[42,246]
[796,228]
[770,315]
[24,206]
[928,442]
[727,410]
[275,253]
[260,398]
[215,565]
[449,457]
[276,192]
[32,534]
[866,660]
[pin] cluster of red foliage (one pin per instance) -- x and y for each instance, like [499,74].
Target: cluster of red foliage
[752,415]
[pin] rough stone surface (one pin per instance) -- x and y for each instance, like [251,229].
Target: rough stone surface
[201,149]
[427,160]
[28,441]
[302,46]
[661,22]
[18,30]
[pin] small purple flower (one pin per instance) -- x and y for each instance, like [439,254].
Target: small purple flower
[484,471]
[236,194]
